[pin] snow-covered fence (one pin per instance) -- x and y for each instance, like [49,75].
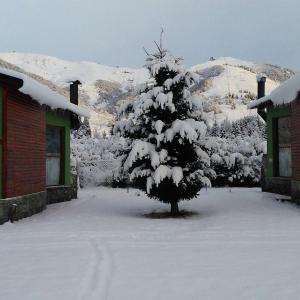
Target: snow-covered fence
[100,172]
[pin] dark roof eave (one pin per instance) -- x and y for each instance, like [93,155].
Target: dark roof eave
[269,102]
[11,81]
[262,105]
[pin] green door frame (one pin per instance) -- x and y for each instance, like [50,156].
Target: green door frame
[273,113]
[62,119]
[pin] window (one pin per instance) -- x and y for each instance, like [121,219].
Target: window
[284,147]
[54,159]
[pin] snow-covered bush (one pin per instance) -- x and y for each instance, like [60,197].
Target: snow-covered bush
[168,158]
[237,151]
[94,158]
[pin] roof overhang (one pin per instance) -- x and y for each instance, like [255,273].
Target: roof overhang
[14,82]
[262,105]
[20,84]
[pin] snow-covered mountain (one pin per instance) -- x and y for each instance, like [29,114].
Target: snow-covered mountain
[102,86]
[227,83]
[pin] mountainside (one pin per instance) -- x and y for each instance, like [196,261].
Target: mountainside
[227,83]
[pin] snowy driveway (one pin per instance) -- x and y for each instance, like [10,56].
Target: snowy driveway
[242,245]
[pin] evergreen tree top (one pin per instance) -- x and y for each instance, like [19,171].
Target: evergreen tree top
[163,59]
[163,65]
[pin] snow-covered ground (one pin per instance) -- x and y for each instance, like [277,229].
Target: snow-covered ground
[242,245]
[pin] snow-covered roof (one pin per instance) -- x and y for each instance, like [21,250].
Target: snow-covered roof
[284,94]
[43,94]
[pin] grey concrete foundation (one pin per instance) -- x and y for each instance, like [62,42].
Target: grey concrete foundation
[295,191]
[278,185]
[58,194]
[282,186]
[16,208]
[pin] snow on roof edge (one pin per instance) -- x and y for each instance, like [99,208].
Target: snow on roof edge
[43,94]
[286,93]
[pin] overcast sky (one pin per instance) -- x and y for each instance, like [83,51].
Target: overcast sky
[113,32]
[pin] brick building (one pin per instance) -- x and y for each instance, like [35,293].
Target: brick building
[281,111]
[35,125]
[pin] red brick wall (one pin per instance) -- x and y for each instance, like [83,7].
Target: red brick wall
[296,139]
[24,152]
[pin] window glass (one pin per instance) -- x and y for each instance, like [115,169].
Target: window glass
[285,162]
[284,147]
[284,131]
[53,140]
[53,158]
[53,170]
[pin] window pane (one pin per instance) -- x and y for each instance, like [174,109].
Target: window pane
[284,131]
[53,140]
[285,162]
[53,158]
[52,170]
[284,147]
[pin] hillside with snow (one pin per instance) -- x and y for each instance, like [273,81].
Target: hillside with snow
[227,84]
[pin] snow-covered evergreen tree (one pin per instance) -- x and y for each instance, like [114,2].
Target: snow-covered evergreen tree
[215,129]
[168,158]
[83,131]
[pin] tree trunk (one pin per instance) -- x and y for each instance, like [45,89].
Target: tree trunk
[174,209]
